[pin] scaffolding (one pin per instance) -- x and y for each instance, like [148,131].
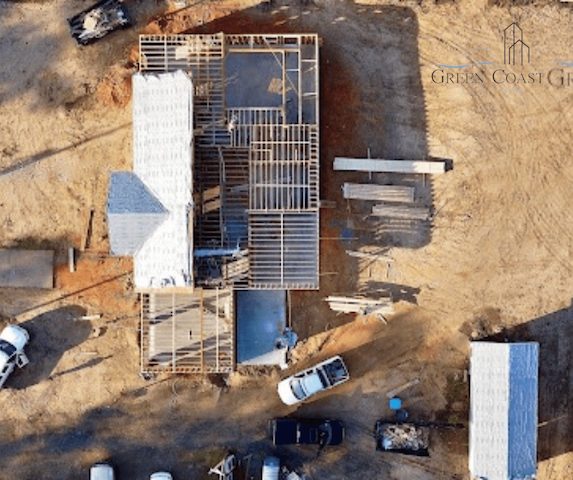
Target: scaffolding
[256,143]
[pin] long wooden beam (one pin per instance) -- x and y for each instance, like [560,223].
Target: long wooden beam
[389,166]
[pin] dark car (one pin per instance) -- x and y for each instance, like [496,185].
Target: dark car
[293,431]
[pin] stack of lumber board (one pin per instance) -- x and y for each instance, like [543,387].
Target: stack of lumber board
[372,256]
[405,212]
[363,306]
[384,193]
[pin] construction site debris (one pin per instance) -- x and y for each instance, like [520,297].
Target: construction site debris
[405,438]
[224,469]
[363,306]
[71,260]
[89,318]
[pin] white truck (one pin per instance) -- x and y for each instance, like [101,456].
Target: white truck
[13,339]
[325,375]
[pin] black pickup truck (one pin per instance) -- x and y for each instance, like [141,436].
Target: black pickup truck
[293,431]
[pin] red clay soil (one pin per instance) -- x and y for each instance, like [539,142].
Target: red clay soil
[114,90]
[100,283]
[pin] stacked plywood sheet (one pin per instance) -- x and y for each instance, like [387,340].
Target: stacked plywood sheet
[405,212]
[385,193]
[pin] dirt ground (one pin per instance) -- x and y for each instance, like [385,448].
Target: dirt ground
[496,263]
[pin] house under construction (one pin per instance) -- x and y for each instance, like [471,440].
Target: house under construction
[224,193]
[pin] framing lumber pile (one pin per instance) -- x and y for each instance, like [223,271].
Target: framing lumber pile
[403,212]
[389,166]
[384,193]
[363,306]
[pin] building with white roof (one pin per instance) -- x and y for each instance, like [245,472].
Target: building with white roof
[150,209]
[503,410]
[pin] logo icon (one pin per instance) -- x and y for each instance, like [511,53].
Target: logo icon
[515,50]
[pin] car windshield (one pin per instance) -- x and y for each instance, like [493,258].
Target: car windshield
[7,348]
[322,378]
[297,389]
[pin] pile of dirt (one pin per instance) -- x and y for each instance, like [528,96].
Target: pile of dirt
[114,90]
[188,18]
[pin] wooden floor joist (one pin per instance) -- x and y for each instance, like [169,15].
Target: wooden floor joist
[389,166]
[404,212]
[383,193]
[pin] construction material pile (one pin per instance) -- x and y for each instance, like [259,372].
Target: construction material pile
[402,438]
[379,307]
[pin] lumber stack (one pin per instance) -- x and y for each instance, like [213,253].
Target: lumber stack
[363,306]
[402,212]
[384,193]
[369,256]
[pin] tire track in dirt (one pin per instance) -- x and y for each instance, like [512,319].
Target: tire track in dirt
[521,171]
[549,215]
[488,107]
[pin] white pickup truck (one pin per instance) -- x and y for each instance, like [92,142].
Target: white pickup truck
[13,339]
[303,385]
